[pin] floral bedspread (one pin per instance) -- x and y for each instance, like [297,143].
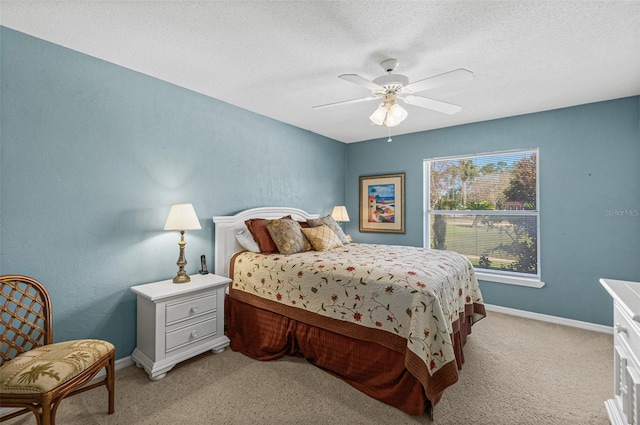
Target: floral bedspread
[411,292]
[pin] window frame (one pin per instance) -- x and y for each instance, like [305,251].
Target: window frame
[498,276]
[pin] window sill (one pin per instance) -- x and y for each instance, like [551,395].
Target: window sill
[511,280]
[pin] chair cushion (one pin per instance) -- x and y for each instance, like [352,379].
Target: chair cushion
[44,368]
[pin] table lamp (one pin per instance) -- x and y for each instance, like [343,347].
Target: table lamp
[182,217]
[340,214]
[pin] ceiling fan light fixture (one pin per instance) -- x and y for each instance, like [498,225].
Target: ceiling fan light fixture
[388,114]
[395,115]
[378,115]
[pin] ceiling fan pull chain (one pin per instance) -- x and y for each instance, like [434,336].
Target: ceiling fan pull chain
[389,139]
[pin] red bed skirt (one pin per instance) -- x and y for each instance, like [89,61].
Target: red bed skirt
[265,335]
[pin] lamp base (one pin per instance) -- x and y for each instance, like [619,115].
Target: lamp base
[181,278]
[182,261]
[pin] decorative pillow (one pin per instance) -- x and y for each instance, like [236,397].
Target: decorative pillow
[245,239]
[287,236]
[332,224]
[322,238]
[258,228]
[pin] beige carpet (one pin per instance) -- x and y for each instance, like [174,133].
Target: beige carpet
[517,371]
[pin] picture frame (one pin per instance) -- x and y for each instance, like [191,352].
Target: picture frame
[382,203]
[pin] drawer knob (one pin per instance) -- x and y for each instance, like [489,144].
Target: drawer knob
[194,309]
[621,329]
[194,334]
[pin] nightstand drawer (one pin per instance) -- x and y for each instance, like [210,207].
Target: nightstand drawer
[189,334]
[626,329]
[190,308]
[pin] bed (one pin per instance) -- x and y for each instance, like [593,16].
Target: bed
[391,321]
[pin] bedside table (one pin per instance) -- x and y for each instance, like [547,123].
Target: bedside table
[179,321]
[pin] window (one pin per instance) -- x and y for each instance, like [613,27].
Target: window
[485,206]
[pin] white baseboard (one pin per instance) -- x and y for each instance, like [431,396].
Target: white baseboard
[123,362]
[120,364]
[551,319]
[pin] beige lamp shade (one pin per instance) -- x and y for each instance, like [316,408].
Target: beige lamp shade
[340,214]
[182,217]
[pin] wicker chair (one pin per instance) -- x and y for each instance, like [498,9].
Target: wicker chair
[35,373]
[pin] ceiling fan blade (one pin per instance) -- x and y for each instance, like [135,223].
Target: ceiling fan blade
[456,76]
[361,81]
[435,105]
[345,102]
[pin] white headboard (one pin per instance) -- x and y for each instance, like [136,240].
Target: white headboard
[226,227]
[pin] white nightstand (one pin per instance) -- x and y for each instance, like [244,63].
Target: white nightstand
[179,321]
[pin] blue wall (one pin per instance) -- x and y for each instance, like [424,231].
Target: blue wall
[589,165]
[93,155]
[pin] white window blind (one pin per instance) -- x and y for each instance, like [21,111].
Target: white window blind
[485,206]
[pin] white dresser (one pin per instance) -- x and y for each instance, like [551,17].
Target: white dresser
[179,321]
[624,407]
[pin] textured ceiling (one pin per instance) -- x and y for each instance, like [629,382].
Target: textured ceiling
[280,58]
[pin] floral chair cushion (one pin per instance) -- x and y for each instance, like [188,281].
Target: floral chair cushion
[44,368]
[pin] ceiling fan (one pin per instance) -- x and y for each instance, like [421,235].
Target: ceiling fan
[391,87]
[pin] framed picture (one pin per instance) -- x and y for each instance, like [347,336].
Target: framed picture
[382,203]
